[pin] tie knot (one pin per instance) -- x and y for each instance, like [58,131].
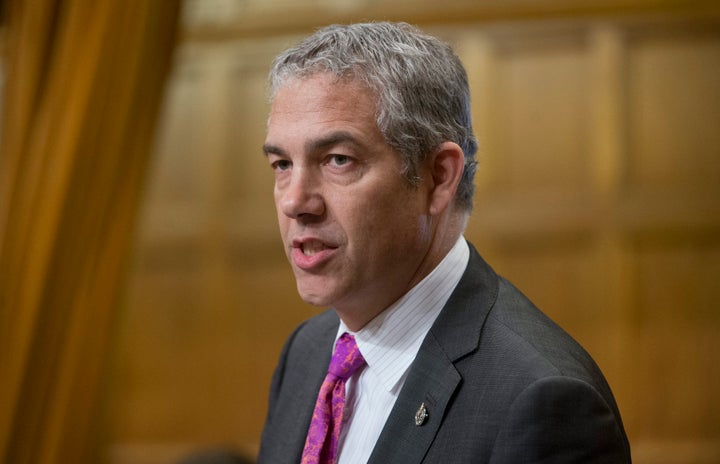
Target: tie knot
[347,357]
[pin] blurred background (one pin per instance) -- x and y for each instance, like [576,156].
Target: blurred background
[144,293]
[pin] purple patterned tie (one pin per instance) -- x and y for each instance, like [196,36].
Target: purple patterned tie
[322,439]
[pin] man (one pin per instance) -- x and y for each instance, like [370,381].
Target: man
[426,355]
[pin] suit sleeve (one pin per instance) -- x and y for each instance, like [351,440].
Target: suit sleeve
[561,420]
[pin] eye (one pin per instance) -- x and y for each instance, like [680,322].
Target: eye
[339,160]
[281,165]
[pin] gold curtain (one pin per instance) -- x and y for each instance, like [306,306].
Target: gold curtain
[83,86]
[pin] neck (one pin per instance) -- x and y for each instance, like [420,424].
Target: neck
[362,309]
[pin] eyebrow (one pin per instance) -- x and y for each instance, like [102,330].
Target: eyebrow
[272,149]
[324,142]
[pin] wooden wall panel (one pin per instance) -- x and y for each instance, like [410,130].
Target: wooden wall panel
[675,364]
[247,177]
[541,113]
[674,108]
[596,196]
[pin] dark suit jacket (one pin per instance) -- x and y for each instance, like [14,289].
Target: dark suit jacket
[501,382]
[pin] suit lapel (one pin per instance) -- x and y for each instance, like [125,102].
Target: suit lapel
[433,378]
[431,382]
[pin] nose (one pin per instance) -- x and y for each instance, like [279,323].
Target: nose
[301,196]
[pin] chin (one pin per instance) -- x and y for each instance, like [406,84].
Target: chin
[317,290]
[314,298]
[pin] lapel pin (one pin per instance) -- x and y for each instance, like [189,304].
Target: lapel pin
[421,415]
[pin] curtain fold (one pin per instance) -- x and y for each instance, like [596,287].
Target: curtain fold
[83,87]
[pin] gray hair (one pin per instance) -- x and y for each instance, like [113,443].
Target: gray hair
[421,86]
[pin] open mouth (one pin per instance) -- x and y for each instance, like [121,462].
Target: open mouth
[310,253]
[312,247]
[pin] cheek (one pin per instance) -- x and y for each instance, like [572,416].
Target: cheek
[394,219]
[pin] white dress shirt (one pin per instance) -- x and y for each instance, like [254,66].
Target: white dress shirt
[389,344]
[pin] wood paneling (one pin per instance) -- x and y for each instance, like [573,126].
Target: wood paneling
[541,86]
[598,195]
[674,108]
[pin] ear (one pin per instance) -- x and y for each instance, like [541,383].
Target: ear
[446,168]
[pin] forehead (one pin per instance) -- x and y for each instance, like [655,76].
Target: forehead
[311,108]
[323,92]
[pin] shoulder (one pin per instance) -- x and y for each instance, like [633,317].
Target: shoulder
[515,343]
[531,341]
[526,376]
[489,316]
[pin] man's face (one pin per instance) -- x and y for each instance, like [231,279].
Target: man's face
[357,236]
